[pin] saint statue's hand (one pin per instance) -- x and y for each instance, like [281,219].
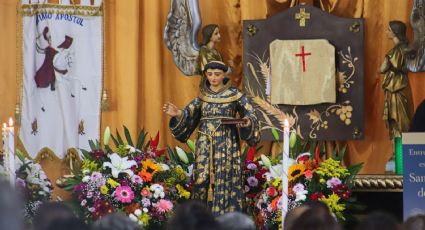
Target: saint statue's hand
[171,110]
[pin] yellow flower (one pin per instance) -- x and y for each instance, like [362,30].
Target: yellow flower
[332,202]
[145,218]
[276,182]
[295,171]
[104,189]
[183,193]
[180,173]
[332,168]
[150,167]
[89,165]
[113,183]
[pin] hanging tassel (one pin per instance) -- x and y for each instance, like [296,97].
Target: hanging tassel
[105,101]
[17,114]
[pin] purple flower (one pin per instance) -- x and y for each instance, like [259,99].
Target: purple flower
[20,183]
[298,188]
[137,179]
[334,181]
[146,202]
[252,181]
[251,166]
[83,202]
[98,179]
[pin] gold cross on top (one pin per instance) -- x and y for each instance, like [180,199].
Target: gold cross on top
[302,16]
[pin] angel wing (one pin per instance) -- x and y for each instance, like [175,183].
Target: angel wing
[180,35]
[416,51]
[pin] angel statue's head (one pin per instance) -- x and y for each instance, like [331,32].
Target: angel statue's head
[398,29]
[210,32]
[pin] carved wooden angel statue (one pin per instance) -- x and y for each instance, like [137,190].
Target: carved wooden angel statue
[398,105]
[180,35]
[217,173]
[416,51]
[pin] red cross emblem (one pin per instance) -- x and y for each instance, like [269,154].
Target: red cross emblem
[302,55]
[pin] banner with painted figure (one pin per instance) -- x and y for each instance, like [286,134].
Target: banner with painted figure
[62,76]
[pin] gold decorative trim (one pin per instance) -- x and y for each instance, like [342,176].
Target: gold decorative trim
[30,10]
[220,100]
[48,154]
[378,183]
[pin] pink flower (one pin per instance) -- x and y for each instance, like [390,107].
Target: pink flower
[164,206]
[308,174]
[124,194]
[145,193]
[334,181]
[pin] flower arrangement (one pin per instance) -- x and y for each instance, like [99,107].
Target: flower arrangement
[309,179]
[33,184]
[136,179]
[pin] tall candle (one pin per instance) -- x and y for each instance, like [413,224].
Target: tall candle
[285,162]
[11,151]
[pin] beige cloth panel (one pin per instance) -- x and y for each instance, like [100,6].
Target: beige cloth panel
[292,83]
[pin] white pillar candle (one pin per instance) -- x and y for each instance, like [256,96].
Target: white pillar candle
[11,151]
[285,163]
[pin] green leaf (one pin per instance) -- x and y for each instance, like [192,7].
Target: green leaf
[115,141]
[120,141]
[244,154]
[171,155]
[128,136]
[141,139]
[354,170]
[275,134]
[92,145]
[191,145]
[20,155]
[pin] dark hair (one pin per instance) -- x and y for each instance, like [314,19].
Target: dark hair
[216,65]
[399,30]
[192,215]
[10,207]
[378,221]
[415,222]
[115,221]
[52,212]
[207,32]
[316,217]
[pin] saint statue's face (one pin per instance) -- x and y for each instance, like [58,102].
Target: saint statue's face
[215,77]
[216,37]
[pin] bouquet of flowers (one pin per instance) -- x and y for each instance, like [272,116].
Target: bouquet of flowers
[33,184]
[136,179]
[309,179]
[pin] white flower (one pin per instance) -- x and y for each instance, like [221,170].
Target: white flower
[86,179]
[276,171]
[189,171]
[83,202]
[119,165]
[164,167]
[132,149]
[133,217]
[145,210]
[266,161]
[182,155]
[106,135]
[138,212]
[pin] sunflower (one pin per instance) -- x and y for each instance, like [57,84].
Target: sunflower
[148,166]
[295,171]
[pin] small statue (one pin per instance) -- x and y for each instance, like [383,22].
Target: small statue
[217,173]
[398,105]
[180,37]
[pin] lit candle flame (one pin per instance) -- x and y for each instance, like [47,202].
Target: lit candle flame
[10,122]
[4,125]
[286,123]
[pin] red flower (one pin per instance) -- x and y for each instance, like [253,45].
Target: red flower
[252,151]
[154,143]
[271,191]
[316,195]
